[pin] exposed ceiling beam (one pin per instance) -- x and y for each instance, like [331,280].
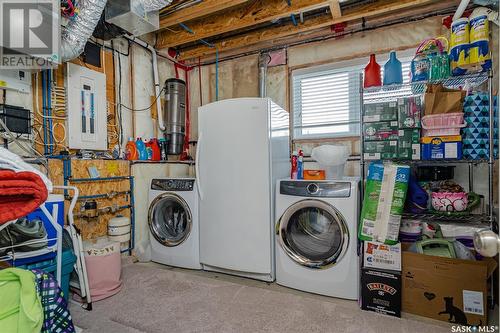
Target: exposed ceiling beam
[272,33]
[204,8]
[335,9]
[234,19]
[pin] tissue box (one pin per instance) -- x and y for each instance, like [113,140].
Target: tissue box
[376,150]
[380,131]
[383,202]
[384,111]
[409,112]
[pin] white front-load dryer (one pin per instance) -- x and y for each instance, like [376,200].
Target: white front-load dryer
[316,242]
[173,222]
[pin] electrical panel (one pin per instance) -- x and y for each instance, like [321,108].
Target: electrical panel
[14,79]
[87,113]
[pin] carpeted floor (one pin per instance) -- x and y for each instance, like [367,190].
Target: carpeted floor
[157,298]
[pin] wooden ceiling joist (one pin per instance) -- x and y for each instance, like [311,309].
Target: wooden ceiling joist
[374,9]
[234,19]
[204,8]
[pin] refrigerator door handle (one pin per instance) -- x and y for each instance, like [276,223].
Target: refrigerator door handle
[197,166]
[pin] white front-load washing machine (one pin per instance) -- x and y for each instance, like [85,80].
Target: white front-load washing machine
[316,242]
[173,222]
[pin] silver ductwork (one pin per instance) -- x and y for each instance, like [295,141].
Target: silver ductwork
[152,5]
[264,60]
[74,36]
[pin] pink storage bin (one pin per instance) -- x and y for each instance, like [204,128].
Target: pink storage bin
[443,124]
[104,265]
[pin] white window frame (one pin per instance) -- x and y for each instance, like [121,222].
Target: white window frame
[339,67]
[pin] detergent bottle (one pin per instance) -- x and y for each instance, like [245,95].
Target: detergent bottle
[149,149]
[141,149]
[155,149]
[293,173]
[393,73]
[372,73]
[131,150]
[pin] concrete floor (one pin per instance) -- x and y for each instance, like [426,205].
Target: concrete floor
[157,298]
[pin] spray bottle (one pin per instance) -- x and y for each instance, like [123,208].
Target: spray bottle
[293,173]
[300,165]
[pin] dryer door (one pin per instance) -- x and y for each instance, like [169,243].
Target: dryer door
[313,234]
[170,219]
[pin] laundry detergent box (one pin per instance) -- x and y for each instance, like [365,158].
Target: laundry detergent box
[382,111]
[383,202]
[409,112]
[409,144]
[444,147]
[451,290]
[380,150]
[382,256]
[381,291]
[382,130]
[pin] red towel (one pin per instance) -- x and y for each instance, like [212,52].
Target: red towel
[20,194]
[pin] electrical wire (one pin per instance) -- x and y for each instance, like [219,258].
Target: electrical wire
[147,108]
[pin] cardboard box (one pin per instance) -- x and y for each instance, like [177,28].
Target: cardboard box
[409,144]
[383,111]
[381,291]
[382,256]
[409,112]
[376,150]
[384,130]
[444,147]
[446,289]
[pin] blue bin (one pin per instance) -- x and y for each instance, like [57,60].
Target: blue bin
[52,200]
[50,266]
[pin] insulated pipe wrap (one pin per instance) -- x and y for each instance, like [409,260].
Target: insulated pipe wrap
[152,5]
[75,35]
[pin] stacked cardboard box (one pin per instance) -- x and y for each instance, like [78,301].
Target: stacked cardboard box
[391,130]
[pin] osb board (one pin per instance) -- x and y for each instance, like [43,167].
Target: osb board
[107,168]
[59,125]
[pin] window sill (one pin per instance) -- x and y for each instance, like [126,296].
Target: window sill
[323,139]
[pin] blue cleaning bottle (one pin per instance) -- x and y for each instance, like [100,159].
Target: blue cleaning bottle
[300,165]
[141,149]
[393,73]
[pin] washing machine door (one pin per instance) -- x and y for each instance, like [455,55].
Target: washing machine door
[314,234]
[170,219]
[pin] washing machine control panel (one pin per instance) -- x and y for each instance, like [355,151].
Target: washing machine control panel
[172,184]
[325,189]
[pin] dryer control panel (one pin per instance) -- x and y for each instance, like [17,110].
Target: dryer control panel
[325,189]
[172,184]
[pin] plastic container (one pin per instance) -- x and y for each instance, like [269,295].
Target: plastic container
[155,149]
[141,149]
[459,48]
[131,150]
[372,73]
[314,174]
[52,201]
[119,230]
[50,266]
[332,159]
[149,149]
[443,124]
[293,170]
[479,52]
[300,165]
[393,72]
[420,68]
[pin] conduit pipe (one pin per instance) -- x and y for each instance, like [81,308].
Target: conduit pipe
[156,77]
[264,60]
[461,9]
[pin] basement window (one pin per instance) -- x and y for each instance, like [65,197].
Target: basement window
[326,100]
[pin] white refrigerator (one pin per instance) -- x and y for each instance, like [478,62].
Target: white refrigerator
[243,148]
